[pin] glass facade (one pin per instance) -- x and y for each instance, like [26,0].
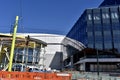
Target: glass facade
[78,32]
[98,28]
[29,55]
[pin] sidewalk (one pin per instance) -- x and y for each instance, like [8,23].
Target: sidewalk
[92,76]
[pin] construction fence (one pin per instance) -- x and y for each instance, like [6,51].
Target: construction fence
[5,75]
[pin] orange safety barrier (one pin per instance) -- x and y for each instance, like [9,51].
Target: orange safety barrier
[5,75]
[63,76]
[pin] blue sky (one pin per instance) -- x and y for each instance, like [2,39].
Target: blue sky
[44,16]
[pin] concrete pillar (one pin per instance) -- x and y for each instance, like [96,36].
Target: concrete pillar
[34,46]
[71,60]
[41,61]
[82,66]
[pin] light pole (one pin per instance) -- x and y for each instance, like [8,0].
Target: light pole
[97,63]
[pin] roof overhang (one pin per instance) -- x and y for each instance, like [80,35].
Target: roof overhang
[38,41]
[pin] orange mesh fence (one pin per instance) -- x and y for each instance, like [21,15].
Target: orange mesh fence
[63,76]
[37,76]
[49,75]
[5,75]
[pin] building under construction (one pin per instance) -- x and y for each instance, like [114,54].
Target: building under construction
[27,51]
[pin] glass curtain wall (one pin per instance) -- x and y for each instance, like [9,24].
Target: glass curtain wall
[97,29]
[90,29]
[107,32]
[32,56]
[103,28]
[115,27]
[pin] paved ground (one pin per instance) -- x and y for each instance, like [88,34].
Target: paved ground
[94,76]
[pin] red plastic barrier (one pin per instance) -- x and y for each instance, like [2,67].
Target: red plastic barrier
[5,75]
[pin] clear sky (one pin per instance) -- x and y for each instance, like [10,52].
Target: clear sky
[44,16]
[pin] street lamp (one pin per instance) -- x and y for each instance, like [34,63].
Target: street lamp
[97,63]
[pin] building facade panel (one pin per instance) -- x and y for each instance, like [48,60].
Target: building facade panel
[99,28]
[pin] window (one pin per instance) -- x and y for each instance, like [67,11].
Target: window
[98,38]
[90,28]
[105,16]
[114,15]
[90,33]
[30,58]
[19,57]
[98,45]
[30,51]
[90,45]
[98,33]
[116,45]
[96,17]
[108,45]
[116,32]
[89,17]
[107,33]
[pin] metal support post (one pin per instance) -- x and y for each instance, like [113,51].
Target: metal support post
[13,44]
[97,64]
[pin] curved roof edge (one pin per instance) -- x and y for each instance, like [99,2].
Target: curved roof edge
[76,44]
[40,34]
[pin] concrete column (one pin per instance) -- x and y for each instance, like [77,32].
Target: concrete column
[42,53]
[34,46]
[71,60]
[82,66]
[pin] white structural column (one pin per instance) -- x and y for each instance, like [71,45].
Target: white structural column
[41,61]
[0,46]
[34,52]
[82,66]
[71,60]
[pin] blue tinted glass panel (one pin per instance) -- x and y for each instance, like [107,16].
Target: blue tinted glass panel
[108,45]
[107,33]
[117,46]
[20,50]
[98,33]
[98,46]
[30,58]
[19,57]
[90,45]
[90,34]
[90,28]
[30,51]
[105,16]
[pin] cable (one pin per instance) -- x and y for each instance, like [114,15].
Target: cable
[21,16]
[20,19]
